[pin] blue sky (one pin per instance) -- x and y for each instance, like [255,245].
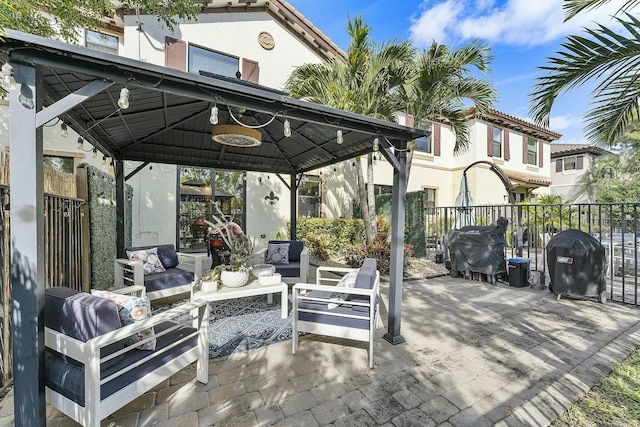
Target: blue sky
[521,33]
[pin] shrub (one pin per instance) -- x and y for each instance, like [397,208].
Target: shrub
[336,233]
[380,249]
[318,246]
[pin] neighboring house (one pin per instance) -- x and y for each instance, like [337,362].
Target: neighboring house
[570,163]
[520,148]
[262,42]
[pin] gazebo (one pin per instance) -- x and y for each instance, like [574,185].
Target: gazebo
[135,111]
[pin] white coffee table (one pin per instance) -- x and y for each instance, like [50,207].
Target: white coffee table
[253,288]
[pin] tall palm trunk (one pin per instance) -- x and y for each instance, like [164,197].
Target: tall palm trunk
[362,195]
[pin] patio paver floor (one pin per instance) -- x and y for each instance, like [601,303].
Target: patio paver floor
[475,355]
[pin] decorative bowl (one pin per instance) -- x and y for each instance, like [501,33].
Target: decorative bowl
[258,269]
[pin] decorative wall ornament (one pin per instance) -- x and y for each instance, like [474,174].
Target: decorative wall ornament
[266,40]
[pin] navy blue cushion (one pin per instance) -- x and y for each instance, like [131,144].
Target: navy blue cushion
[68,379]
[322,307]
[295,248]
[167,279]
[365,280]
[81,316]
[288,270]
[166,253]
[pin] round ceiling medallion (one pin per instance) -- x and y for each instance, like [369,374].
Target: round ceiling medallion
[266,40]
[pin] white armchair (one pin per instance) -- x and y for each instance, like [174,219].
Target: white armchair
[297,270]
[174,281]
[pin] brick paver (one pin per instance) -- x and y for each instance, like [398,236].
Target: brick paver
[475,354]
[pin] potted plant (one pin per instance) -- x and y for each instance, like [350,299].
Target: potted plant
[235,273]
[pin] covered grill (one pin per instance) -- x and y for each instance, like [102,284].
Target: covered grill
[478,249]
[577,265]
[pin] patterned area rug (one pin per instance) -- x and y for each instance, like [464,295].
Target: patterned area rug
[245,323]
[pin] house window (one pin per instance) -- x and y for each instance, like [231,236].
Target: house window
[310,196]
[381,190]
[60,164]
[424,144]
[532,151]
[497,142]
[570,163]
[429,200]
[102,42]
[213,62]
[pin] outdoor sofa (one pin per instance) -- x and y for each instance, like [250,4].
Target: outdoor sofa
[174,280]
[329,307]
[294,267]
[91,371]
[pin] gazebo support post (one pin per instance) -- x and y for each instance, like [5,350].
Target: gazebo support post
[398,202]
[118,170]
[293,188]
[27,246]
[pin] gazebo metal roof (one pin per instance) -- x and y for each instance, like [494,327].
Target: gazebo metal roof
[168,117]
[167,122]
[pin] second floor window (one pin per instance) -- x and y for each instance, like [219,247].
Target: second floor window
[424,144]
[532,151]
[213,62]
[497,142]
[102,42]
[569,163]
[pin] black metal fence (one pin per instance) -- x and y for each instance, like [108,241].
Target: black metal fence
[63,259]
[531,226]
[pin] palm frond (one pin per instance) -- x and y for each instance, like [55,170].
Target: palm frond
[574,7]
[604,55]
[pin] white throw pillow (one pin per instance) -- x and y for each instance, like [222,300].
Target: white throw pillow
[149,258]
[130,310]
[347,281]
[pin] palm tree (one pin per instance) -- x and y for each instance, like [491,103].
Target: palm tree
[603,55]
[441,85]
[362,84]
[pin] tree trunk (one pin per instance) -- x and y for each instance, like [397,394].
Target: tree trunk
[371,195]
[362,195]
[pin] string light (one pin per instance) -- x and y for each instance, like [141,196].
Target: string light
[80,143]
[287,128]
[64,130]
[123,101]
[375,160]
[213,118]
[339,139]
[95,153]
[376,145]
[104,160]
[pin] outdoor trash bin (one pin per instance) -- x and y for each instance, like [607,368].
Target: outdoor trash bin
[577,265]
[519,272]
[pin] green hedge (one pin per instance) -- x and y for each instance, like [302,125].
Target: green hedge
[336,233]
[102,225]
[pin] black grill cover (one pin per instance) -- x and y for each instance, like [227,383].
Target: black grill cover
[577,264]
[479,248]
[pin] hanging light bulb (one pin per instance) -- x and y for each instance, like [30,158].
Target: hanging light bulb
[376,145]
[150,168]
[339,139]
[123,101]
[104,160]
[287,128]
[8,79]
[95,153]
[64,130]
[213,118]
[375,159]
[80,143]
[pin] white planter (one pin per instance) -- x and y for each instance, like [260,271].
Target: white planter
[234,279]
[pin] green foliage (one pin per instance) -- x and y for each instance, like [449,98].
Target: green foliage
[380,249]
[318,246]
[66,17]
[337,232]
[102,225]
[605,56]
